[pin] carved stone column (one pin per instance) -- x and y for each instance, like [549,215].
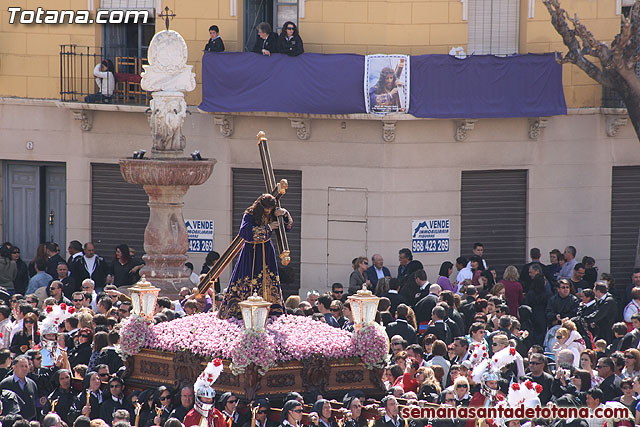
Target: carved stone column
[167,175]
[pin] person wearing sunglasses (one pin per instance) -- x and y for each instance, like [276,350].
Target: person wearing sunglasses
[163,406]
[358,276]
[28,337]
[289,41]
[538,375]
[114,400]
[291,415]
[261,408]
[227,405]
[81,354]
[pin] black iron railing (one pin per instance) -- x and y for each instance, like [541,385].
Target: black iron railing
[78,83]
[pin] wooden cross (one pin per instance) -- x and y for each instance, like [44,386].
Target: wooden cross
[278,190]
[166,15]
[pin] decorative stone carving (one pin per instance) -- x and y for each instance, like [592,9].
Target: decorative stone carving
[85,118]
[168,110]
[615,122]
[388,131]
[463,127]
[168,69]
[302,127]
[536,125]
[167,76]
[225,123]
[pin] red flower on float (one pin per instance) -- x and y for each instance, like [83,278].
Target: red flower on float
[512,351]
[63,306]
[217,362]
[515,386]
[49,309]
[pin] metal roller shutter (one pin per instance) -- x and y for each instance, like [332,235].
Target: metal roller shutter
[119,211]
[248,184]
[494,212]
[625,221]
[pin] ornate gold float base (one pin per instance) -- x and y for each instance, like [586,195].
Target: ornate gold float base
[330,377]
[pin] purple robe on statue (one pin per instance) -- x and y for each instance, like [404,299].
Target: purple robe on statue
[256,270]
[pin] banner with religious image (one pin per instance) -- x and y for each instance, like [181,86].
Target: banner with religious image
[386,84]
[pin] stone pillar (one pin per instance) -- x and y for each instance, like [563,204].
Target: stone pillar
[166,176]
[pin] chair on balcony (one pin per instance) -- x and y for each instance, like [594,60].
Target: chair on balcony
[128,89]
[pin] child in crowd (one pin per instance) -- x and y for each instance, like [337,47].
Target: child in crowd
[215,43]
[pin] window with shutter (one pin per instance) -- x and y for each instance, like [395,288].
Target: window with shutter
[494,27]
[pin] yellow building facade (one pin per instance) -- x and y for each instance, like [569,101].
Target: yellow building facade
[30,60]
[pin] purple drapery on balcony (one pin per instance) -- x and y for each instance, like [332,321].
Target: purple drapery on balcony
[441,85]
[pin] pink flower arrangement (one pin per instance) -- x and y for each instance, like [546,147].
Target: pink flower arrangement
[372,346]
[133,334]
[253,347]
[285,338]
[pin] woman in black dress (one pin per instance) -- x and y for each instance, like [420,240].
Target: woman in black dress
[289,41]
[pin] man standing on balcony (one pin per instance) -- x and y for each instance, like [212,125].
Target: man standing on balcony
[215,43]
[267,41]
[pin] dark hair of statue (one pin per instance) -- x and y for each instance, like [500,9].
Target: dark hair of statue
[257,209]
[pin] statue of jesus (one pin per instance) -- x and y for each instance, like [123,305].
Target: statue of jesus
[257,266]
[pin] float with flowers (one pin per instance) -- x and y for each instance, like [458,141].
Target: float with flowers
[280,355]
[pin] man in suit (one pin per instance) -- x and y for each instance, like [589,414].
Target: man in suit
[392,416]
[267,41]
[377,270]
[607,310]
[394,297]
[407,264]
[89,266]
[524,271]
[609,386]
[401,327]
[53,252]
[439,328]
[425,305]
[24,387]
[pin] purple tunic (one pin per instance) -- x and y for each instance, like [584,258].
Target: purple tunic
[256,271]
[445,284]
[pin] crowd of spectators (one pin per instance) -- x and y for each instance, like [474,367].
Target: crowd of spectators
[570,335]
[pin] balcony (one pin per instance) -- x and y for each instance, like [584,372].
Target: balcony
[78,84]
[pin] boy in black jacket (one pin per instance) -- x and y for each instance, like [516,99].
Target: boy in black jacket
[215,43]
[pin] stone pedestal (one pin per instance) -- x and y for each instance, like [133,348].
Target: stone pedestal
[167,175]
[165,239]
